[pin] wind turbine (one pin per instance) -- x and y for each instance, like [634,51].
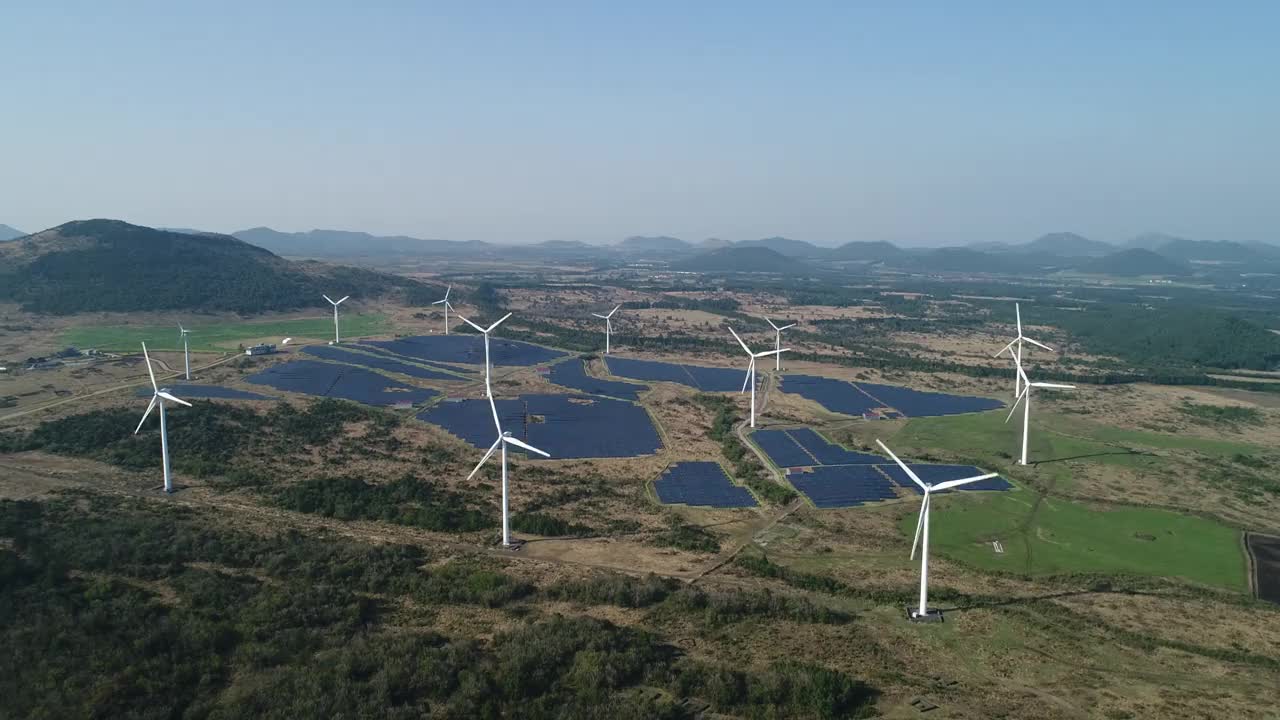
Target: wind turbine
[335,305]
[922,528]
[186,354]
[1024,397]
[485,331]
[158,397]
[751,370]
[1014,348]
[504,439]
[777,342]
[447,305]
[608,326]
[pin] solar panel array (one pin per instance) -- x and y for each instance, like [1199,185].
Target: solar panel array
[782,449]
[918,403]
[932,474]
[701,483]
[211,392]
[838,486]
[707,379]
[827,452]
[573,374]
[328,352]
[862,397]
[323,379]
[468,349]
[383,352]
[567,426]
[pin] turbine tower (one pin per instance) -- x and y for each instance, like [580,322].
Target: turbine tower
[921,612]
[751,370]
[1014,348]
[336,338]
[1024,397]
[777,342]
[485,331]
[504,439]
[158,397]
[186,353]
[447,305]
[608,326]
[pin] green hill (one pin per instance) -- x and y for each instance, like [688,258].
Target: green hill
[1134,262]
[1067,244]
[110,265]
[741,259]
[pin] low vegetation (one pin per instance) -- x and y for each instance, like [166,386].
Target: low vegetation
[746,466]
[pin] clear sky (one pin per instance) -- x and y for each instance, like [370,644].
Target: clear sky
[921,123]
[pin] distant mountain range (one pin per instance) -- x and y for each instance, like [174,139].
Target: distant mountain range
[110,265]
[9,233]
[751,259]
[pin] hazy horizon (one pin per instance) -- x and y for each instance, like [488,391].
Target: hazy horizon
[574,121]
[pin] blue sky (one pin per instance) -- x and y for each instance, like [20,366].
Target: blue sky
[920,123]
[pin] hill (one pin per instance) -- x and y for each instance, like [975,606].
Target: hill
[877,251]
[9,233]
[660,243]
[110,265]
[741,259]
[345,243]
[714,244]
[1135,262]
[786,246]
[1066,244]
[1151,240]
[1221,251]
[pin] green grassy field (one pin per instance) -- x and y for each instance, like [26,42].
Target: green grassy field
[222,335]
[1058,536]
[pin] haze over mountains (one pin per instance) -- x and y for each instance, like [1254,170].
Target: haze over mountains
[9,233]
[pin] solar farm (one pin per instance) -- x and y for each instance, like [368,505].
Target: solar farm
[832,476]
[207,392]
[324,379]
[468,350]
[698,377]
[566,426]
[376,362]
[884,401]
[701,484]
[572,374]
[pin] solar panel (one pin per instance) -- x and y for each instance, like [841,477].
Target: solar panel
[707,379]
[918,403]
[573,374]
[328,352]
[782,449]
[212,392]
[843,485]
[940,473]
[468,349]
[834,395]
[324,379]
[701,483]
[437,365]
[829,453]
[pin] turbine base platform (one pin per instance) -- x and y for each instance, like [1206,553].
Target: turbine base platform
[929,616]
[515,546]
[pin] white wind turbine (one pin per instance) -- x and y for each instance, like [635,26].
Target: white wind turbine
[1024,397]
[447,305]
[1014,348]
[504,439]
[922,528]
[335,305]
[158,397]
[485,332]
[751,370]
[777,342]
[186,354]
[608,326]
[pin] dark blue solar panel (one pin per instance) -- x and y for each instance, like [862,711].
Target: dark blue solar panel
[324,379]
[827,452]
[701,483]
[468,349]
[781,449]
[573,374]
[834,395]
[350,357]
[436,365]
[843,486]
[566,426]
[212,392]
[707,379]
[941,473]
[916,403]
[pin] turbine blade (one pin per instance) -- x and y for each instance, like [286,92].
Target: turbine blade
[614,310]
[735,337]
[486,457]
[767,353]
[1039,344]
[496,422]
[1006,349]
[504,319]
[437,302]
[1018,309]
[784,327]
[919,523]
[171,398]
[150,407]
[1057,386]
[1015,403]
[331,302]
[602,317]
[147,357]
[477,327]
[965,481]
[904,467]
[344,299]
[447,291]
[526,446]
[747,379]
[775,327]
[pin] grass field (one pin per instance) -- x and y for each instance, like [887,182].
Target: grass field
[221,335]
[1057,536]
